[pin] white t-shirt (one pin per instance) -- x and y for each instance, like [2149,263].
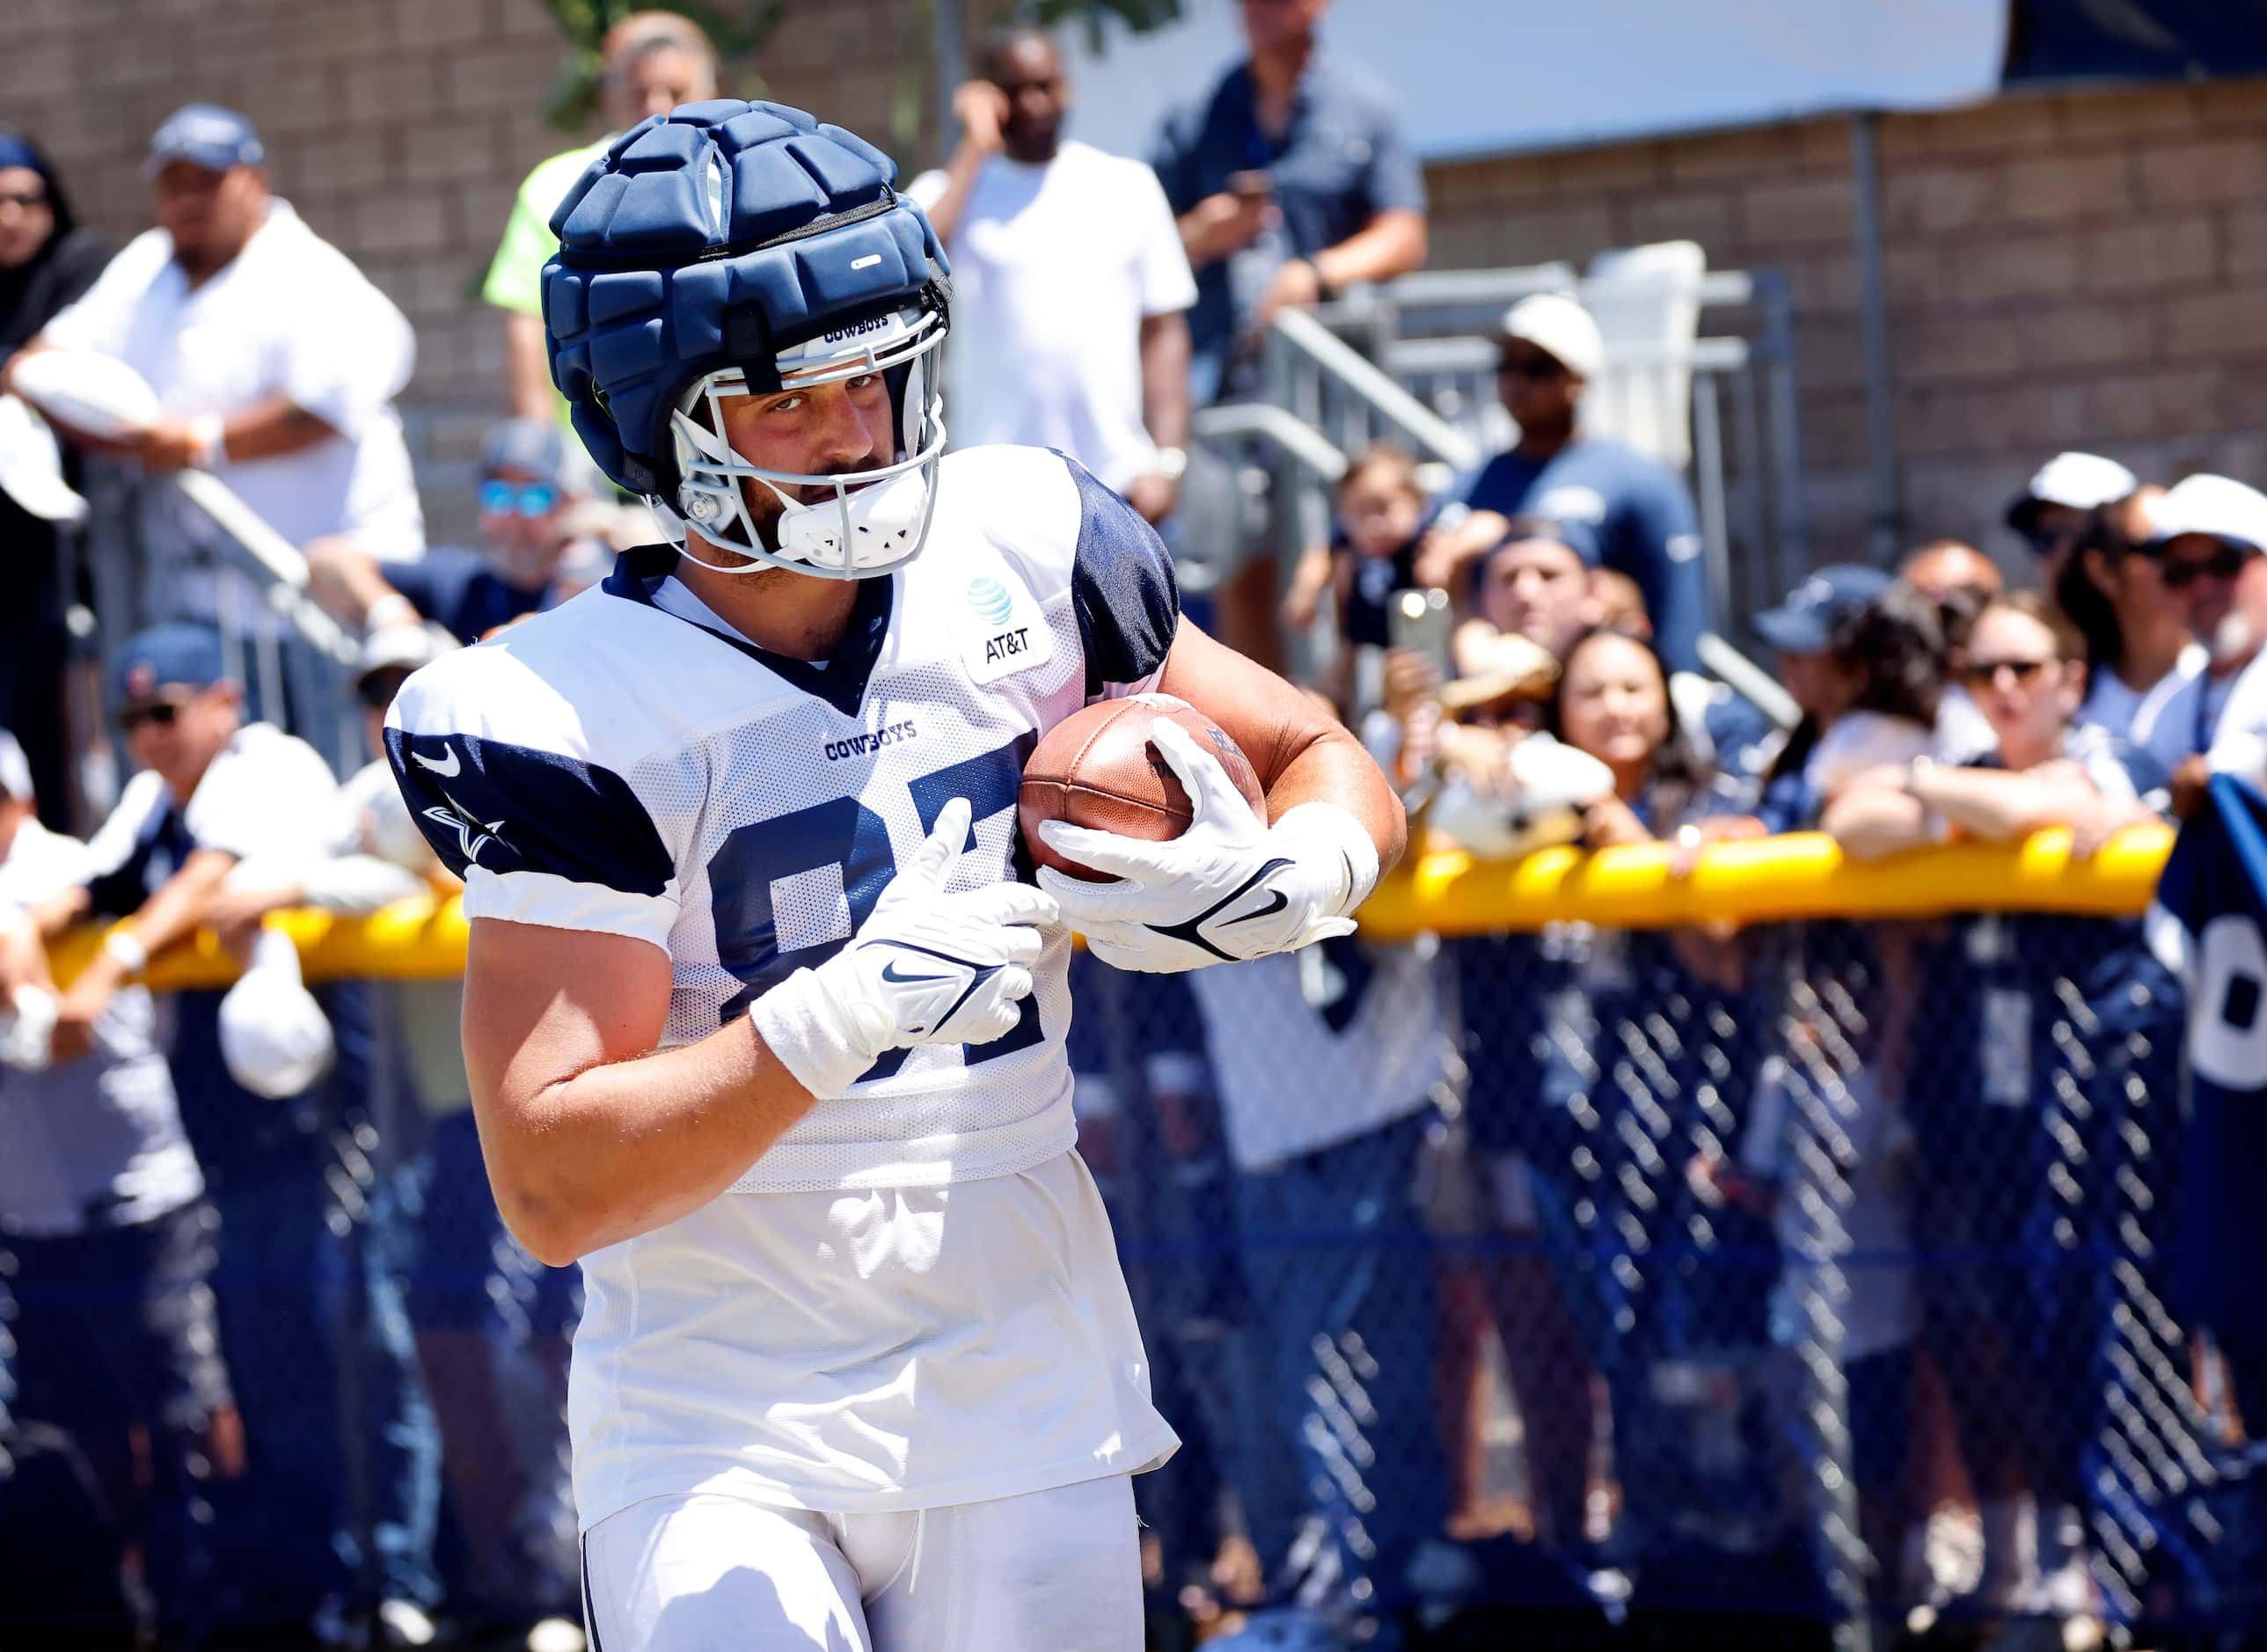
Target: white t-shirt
[289,314]
[267,798]
[1055,267]
[96,1143]
[2239,740]
[1309,1052]
[2110,704]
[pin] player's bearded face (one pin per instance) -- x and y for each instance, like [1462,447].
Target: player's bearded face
[829,430]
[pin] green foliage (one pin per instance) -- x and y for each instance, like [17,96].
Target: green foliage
[738,30]
[1138,15]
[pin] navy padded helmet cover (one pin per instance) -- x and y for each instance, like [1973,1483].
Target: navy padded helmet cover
[646,287]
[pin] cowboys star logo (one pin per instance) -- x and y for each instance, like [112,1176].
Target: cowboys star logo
[473,833]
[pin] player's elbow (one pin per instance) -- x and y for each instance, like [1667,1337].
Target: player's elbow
[555,1218]
[547,1228]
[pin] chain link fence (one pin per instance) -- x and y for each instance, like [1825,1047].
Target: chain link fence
[1788,1287]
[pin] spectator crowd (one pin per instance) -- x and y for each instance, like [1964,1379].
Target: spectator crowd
[1471,1266]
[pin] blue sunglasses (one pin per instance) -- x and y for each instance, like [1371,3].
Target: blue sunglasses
[501,498]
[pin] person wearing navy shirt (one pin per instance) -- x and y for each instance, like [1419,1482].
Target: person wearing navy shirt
[530,485]
[1291,180]
[1640,512]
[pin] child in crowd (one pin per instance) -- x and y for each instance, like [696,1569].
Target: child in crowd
[1383,509]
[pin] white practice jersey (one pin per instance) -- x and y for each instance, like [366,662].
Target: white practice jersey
[626,763]
[609,766]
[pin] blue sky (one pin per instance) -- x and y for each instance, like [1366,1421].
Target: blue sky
[1483,76]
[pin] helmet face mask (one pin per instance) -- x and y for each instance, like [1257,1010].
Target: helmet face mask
[865,522]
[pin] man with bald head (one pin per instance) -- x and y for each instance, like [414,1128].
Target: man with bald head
[1069,285]
[1943,569]
[654,61]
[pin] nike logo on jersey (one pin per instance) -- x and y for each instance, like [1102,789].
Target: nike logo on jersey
[447,771]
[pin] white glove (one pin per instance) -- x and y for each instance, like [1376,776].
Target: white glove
[1230,887]
[929,967]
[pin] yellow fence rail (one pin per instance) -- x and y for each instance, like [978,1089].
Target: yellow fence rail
[1804,875]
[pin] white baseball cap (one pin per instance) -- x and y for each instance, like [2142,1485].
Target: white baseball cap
[274,1038]
[408,646]
[2083,481]
[2218,506]
[1557,324]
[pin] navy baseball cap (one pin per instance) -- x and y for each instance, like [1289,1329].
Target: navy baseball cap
[1577,536]
[178,656]
[1802,623]
[204,134]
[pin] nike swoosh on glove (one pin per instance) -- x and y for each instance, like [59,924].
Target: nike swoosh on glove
[1228,888]
[927,967]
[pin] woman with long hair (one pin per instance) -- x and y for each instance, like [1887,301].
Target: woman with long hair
[2040,1042]
[1597,1061]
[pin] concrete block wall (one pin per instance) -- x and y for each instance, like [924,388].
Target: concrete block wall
[400,130]
[2086,269]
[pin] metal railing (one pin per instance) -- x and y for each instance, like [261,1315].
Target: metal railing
[1414,360]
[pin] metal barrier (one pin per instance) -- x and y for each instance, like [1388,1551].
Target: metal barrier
[1413,360]
[292,656]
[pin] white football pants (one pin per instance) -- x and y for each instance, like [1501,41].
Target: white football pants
[1051,1571]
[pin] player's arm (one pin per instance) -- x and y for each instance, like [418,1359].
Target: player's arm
[1232,886]
[1302,753]
[270,428]
[592,1134]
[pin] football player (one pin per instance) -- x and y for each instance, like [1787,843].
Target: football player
[763,1022]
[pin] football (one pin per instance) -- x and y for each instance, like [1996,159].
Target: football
[1097,769]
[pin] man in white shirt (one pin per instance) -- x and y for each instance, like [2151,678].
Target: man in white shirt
[105,1241]
[275,360]
[2210,716]
[220,807]
[1070,285]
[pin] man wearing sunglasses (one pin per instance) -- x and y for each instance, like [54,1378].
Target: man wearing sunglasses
[1640,513]
[2212,713]
[220,806]
[529,487]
